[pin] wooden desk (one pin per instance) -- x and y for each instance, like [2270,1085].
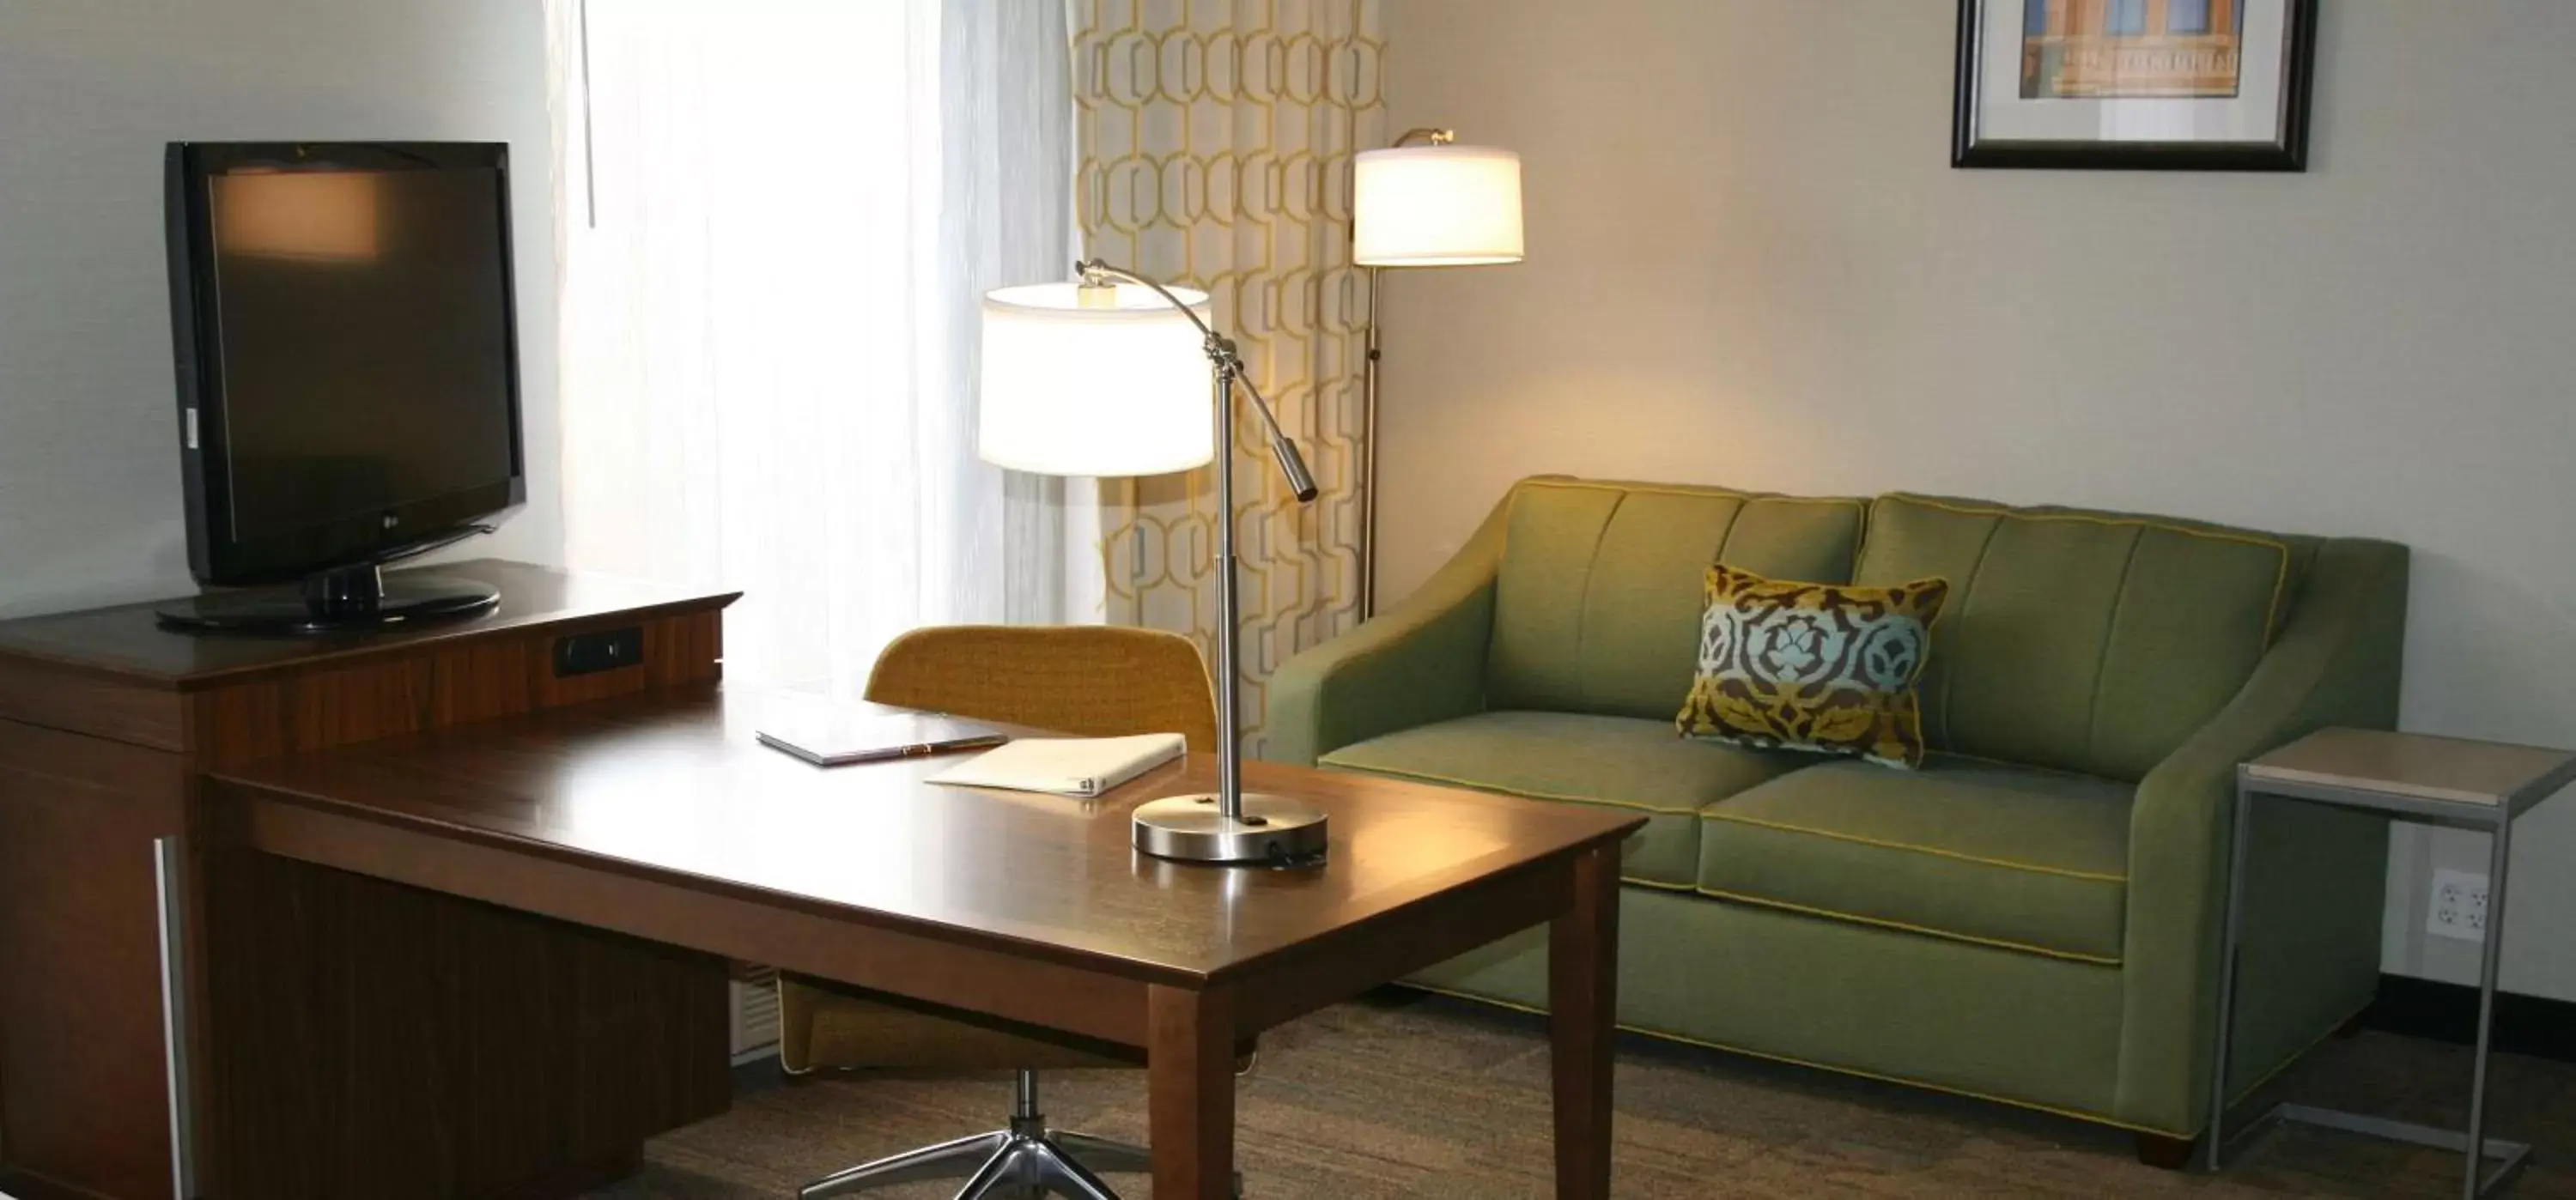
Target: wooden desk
[659,817]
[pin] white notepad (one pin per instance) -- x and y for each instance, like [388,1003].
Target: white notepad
[1065,766]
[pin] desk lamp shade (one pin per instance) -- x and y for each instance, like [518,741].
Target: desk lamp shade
[1436,206]
[1094,381]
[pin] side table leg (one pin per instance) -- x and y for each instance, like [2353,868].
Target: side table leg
[2228,919]
[2502,855]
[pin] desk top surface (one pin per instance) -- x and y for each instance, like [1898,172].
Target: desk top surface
[673,785]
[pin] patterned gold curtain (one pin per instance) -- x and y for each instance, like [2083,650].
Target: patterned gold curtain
[1216,140]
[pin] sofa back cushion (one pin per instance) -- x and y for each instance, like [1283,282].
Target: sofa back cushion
[1597,601]
[2088,642]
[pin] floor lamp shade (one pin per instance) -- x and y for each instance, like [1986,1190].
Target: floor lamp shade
[1104,381]
[1436,206]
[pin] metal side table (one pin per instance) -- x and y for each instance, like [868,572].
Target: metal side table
[2409,777]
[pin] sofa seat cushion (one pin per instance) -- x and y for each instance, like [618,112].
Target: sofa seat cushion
[1618,762]
[2005,856]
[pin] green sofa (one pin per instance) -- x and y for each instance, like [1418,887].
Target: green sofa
[2033,916]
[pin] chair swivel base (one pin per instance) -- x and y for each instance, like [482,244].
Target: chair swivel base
[1005,1164]
[1024,1162]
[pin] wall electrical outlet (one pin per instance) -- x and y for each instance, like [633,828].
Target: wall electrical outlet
[2459,908]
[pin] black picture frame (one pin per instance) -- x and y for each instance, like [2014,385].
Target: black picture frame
[2289,153]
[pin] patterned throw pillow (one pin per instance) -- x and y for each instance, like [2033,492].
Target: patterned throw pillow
[1813,666]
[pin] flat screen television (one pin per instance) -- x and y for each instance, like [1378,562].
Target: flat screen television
[348,375]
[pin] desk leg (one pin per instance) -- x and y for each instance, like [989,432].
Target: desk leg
[1582,983]
[1189,1063]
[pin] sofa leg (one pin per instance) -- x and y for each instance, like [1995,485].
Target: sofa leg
[2164,1153]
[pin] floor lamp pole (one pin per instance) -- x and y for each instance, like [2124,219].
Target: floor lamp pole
[1427,135]
[1368,452]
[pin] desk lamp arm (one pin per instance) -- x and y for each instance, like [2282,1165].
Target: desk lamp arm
[1228,360]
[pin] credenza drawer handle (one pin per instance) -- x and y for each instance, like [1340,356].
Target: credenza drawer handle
[168,903]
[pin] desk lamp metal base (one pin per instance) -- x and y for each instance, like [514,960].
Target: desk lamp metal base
[1194,829]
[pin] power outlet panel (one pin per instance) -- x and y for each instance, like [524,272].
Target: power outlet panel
[2459,907]
[599,650]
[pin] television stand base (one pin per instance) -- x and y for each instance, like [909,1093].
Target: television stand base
[347,600]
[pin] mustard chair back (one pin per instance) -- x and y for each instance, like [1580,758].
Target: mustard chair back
[1082,680]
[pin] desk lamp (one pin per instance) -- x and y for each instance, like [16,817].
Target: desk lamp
[1424,201]
[1101,377]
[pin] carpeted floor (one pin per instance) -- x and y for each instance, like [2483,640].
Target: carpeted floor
[1403,1096]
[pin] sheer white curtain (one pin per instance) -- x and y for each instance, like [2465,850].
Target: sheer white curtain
[777,219]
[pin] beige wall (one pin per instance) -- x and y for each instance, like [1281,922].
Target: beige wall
[89,92]
[1750,263]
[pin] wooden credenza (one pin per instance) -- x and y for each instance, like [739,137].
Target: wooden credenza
[345,1037]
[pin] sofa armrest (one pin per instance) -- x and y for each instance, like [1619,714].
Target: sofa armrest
[2336,662]
[1421,661]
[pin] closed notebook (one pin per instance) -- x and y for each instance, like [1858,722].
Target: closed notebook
[831,734]
[1065,766]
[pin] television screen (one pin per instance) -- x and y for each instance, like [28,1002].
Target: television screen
[365,351]
[347,352]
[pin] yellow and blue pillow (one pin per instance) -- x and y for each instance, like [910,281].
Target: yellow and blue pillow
[1827,668]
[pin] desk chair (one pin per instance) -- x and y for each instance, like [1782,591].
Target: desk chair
[1085,680]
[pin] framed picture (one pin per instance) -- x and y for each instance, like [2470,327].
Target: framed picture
[2177,85]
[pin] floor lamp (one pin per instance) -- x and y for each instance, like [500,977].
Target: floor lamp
[1109,376]
[1424,201]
